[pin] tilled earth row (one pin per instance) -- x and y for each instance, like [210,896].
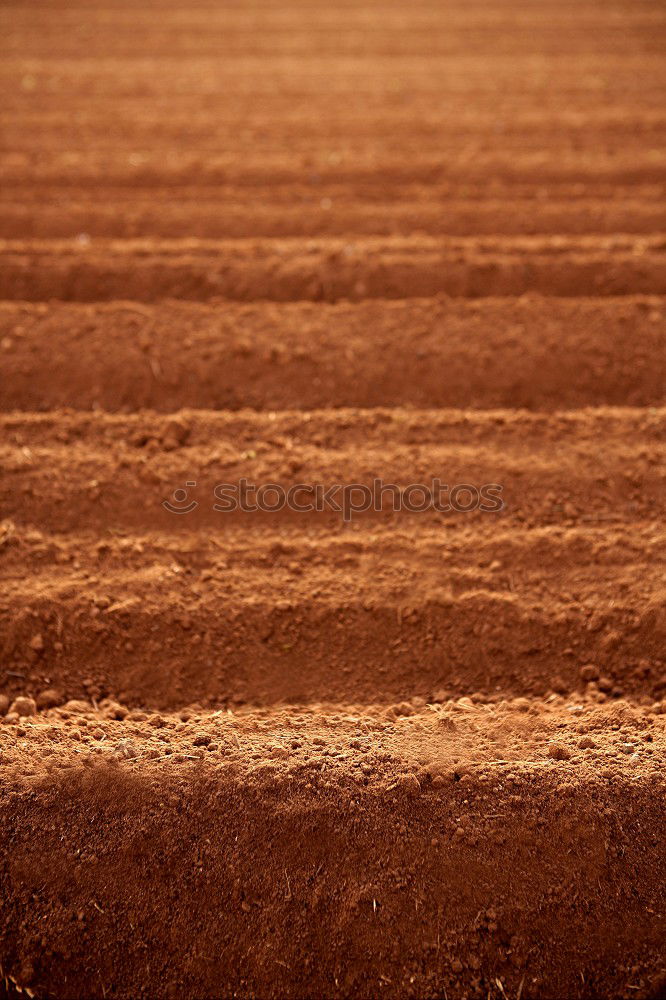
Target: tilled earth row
[460,353]
[330,269]
[349,850]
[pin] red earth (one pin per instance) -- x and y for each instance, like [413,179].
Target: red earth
[280,754]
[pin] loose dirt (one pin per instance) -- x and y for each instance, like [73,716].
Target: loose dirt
[275,754]
[460,353]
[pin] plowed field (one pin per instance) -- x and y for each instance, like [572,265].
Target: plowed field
[334,752]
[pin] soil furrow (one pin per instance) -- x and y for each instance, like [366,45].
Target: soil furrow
[503,832]
[151,626]
[531,353]
[317,210]
[328,270]
[119,472]
[368,165]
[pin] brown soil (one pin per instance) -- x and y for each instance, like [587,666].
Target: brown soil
[274,755]
[168,355]
[331,269]
[329,852]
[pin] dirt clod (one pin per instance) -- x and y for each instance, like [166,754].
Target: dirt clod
[23,706]
[49,698]
[77,706]
[409,783]
[558,752]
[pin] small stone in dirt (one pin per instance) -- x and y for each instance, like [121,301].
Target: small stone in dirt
[36,643]
[157,721]
[558,752]
[77,705]
[586,743]
[113,710]
[23,706]
[124,748]
[409,783]
[175,435]
[201,741]
[4,704]
[49,698]
[589,672]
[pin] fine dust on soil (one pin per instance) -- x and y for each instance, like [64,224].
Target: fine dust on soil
[276,755]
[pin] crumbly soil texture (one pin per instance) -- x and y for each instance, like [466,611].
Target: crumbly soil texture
[277,754]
